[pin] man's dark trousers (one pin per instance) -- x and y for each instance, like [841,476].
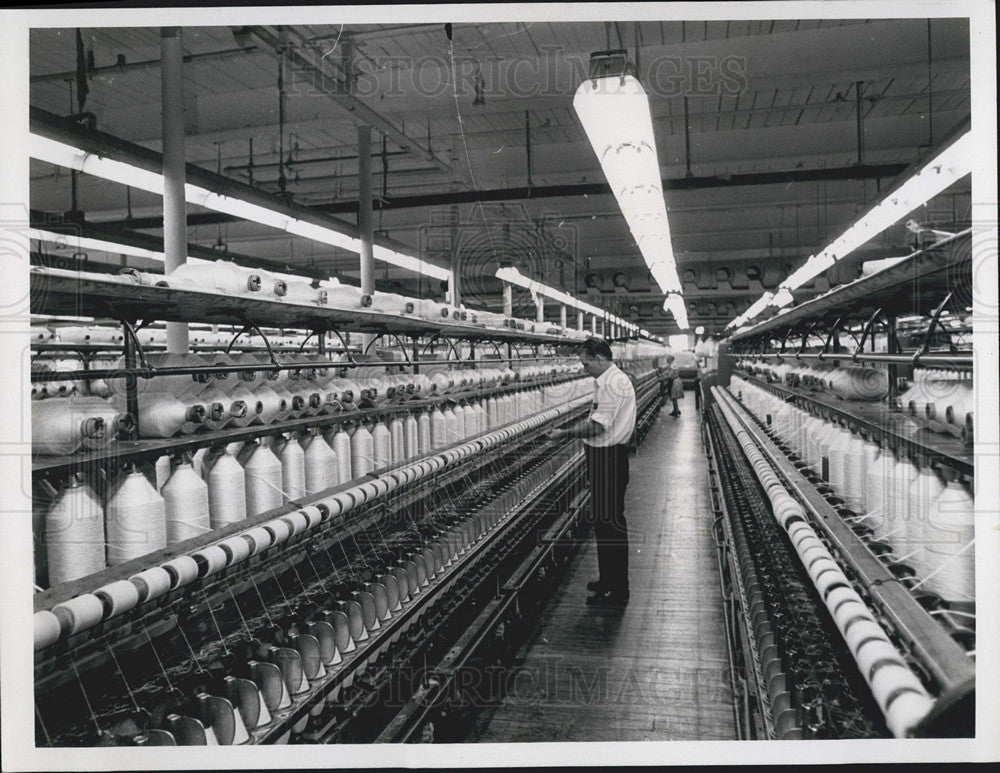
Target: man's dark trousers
[607,469]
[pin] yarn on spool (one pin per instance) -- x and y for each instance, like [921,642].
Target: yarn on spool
[340,442]
[263,479]
[362,451]
[397,434]
[949,529]
[136,518]
[293,469]
[185,497]
[220,276]
[320,464]
[927,488]
[854,473]
[74,533]
[382,442]
[411,440]
[424,443]
[63,425]
[161,415]
[226,490]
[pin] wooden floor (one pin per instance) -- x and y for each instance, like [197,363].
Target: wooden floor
[656,670]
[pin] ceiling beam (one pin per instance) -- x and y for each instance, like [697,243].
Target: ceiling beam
[343,98]
[865,172]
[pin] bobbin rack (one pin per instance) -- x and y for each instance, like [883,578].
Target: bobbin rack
[843,488]
[354,613]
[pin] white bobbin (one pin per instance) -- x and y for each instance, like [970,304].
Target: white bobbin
[118,597]
[151,583]
[182,569]
[47,629]
[79,613]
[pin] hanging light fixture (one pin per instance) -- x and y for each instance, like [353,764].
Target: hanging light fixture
[614,110]
[946,167]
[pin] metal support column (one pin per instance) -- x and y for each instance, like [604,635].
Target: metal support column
[365,218]
[174,176]
[454,281]
[579,321]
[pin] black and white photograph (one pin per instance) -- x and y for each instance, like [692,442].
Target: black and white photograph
[499,385]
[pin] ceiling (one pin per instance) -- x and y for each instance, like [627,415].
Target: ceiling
[769,170]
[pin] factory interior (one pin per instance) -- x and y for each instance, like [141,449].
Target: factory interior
[310,304]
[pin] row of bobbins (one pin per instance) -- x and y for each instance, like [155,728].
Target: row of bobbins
[87,610]
[899,693]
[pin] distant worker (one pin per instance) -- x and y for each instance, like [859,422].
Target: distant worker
[606,434]
[671,380]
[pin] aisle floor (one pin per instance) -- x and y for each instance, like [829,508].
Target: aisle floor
[655,670]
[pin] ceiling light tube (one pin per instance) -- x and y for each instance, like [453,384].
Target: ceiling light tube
[62,154]
[614,112]
[945,169]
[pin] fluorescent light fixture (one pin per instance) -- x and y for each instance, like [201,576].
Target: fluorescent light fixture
[782,298]
[614,112]
[946,168]
[674,303]
[64,155]
[513,276]
[81,243]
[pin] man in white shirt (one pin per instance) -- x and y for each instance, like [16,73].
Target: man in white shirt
[606,434]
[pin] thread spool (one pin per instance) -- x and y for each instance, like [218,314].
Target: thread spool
[136,518]
[293,469]
[438,429]
[60,425]
[263,479]
[837,453]
[161,415]
[340,442]
[382,444]
[854,473]
[280,530]
[236,548]
[259,538]
[411,437]
[151,583]
[949,529]
[226,489]
[904,473]
[397,436]
[210,560]
[927,488]
[424,435]
[74,533]
[186,501]
[876,487]
[320,464]
[362,451]
[182,570]
[79,613]
[117,597]
[47,629]
[219,276]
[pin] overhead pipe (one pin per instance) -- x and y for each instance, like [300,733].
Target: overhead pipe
[114,70]
[344,98]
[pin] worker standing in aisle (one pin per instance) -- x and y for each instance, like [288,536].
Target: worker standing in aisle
[672,386]
[606,434]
